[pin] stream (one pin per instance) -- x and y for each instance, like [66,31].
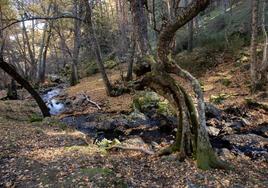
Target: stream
[100,125]
[56,107]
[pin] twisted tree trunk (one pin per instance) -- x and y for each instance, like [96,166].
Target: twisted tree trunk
[192,139]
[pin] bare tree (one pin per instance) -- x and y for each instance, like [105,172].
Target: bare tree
[11,71]
[257,70]
[89,28]
[77,6]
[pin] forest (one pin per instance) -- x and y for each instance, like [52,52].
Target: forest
[133,93]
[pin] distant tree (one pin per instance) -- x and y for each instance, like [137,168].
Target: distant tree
[46,36]
[258,69]
[190,32]
[92,39]
[77,11]
[138,8]
[264,66]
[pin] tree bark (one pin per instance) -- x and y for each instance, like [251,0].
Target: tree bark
[96,47]
[12,90]
[192,138]
[264,67]
[141,31]
[140,26]
[43,50]
[253,48]
[131,59]
[77,43]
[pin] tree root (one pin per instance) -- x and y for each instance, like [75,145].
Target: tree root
[143,150]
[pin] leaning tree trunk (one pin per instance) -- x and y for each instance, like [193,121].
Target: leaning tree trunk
[96,47]
[24,83]
[192,138]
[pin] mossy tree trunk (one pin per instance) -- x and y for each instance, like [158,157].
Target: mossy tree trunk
[192,138]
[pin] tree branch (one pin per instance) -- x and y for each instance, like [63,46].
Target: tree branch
[41,18]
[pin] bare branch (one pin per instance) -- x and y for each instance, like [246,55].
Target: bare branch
[41,18]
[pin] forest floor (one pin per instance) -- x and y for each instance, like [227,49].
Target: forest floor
[48,153]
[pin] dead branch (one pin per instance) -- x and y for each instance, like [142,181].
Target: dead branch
[91,102]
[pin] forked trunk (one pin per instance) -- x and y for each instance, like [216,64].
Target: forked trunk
[192,138]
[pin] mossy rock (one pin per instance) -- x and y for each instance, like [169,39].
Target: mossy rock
[110,64]
[146,101]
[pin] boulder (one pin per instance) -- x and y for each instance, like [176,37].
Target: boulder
[262,130]
[213,112]
[152,105]
[226,154]
[79,100]
[213,131]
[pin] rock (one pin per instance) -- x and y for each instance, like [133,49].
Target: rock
[237,125]
[152,105]
[213,112]
[154,144]
[68,102]
[227,131]
[136,142]
[137,115]
[55,78]
[79,100]
[213,122]
[106,125]
[213,131]
[251,145]
[245,122]
[225,154]
[262,130]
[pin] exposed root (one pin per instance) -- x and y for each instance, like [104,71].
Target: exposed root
[143,150]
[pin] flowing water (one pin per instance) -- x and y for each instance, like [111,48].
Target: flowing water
[55,106]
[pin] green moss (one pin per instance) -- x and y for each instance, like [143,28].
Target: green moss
[110,64]
[54,122]
[91,68]
[94,171]
[35,118]
[218,99]
[147,100]
[225,81]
